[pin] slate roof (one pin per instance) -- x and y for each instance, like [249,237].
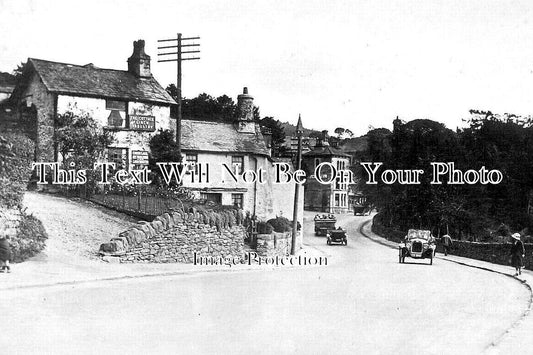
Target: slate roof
[320,151]
[92,81]
[220,137]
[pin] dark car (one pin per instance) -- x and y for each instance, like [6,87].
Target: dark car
[337,236]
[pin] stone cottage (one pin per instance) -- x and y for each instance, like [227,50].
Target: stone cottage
[130,103]
[242,147]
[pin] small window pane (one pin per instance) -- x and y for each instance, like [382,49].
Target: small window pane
[119,156]
[237,161]
[192,158]
[237,200]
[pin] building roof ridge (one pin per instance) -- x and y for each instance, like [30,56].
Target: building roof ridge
[84,66]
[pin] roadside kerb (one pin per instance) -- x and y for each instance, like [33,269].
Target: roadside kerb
[31,274]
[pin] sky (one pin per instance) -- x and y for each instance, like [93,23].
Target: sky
[339,63]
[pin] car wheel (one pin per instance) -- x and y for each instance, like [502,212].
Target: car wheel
[329,241]
[345,241]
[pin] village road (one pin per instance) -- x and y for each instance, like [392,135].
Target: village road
[362,302]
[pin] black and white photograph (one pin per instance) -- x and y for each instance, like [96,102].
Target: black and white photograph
[266,177]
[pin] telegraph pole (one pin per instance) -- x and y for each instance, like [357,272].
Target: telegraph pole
[299,133]
[178,59]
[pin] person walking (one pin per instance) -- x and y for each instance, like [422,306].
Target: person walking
[5,254]
[517,253]
[446,243]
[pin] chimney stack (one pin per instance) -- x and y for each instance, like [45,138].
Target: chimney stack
[139,62]
[245,106]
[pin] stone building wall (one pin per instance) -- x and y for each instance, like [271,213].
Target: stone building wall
[37,95]
[178,235]
[267,200]
[126,138]
[317,196]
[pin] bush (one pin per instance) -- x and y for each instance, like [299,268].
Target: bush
[16,155]
[280,224]
[29,240]
[264,228]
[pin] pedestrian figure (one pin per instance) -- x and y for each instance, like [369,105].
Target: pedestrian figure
[517,253]
[5,254]
[446,243]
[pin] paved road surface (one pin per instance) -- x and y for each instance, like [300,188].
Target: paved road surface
[363,302]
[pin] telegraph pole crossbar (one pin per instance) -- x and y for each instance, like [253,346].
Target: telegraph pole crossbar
[178,46]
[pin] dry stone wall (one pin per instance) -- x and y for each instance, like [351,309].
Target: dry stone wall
[497,253]
[9,221]
[176,236]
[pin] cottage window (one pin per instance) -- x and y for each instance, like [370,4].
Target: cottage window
[119,156]
[117,113]
[237,199]
[212,197]
[237,161]
[337,200]
[192,159]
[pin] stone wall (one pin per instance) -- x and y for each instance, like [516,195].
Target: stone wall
[178,235]
[497,253]
[9,221]
[276,244]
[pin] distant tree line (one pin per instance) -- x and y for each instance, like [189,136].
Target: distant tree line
[479,212]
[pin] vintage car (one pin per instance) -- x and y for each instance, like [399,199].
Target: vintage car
[337,236]
[323,223]
[361,210]
[417,244]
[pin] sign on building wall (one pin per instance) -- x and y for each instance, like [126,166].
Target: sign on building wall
[142,122]
[139,157]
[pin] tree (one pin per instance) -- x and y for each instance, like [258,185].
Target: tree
[339,131]
[19,70]
[278,133]
[80,138]
[343,133]
[163,148]
[477,211]
[205,107]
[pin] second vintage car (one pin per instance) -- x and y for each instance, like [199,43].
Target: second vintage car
[417,244]
[323,223]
